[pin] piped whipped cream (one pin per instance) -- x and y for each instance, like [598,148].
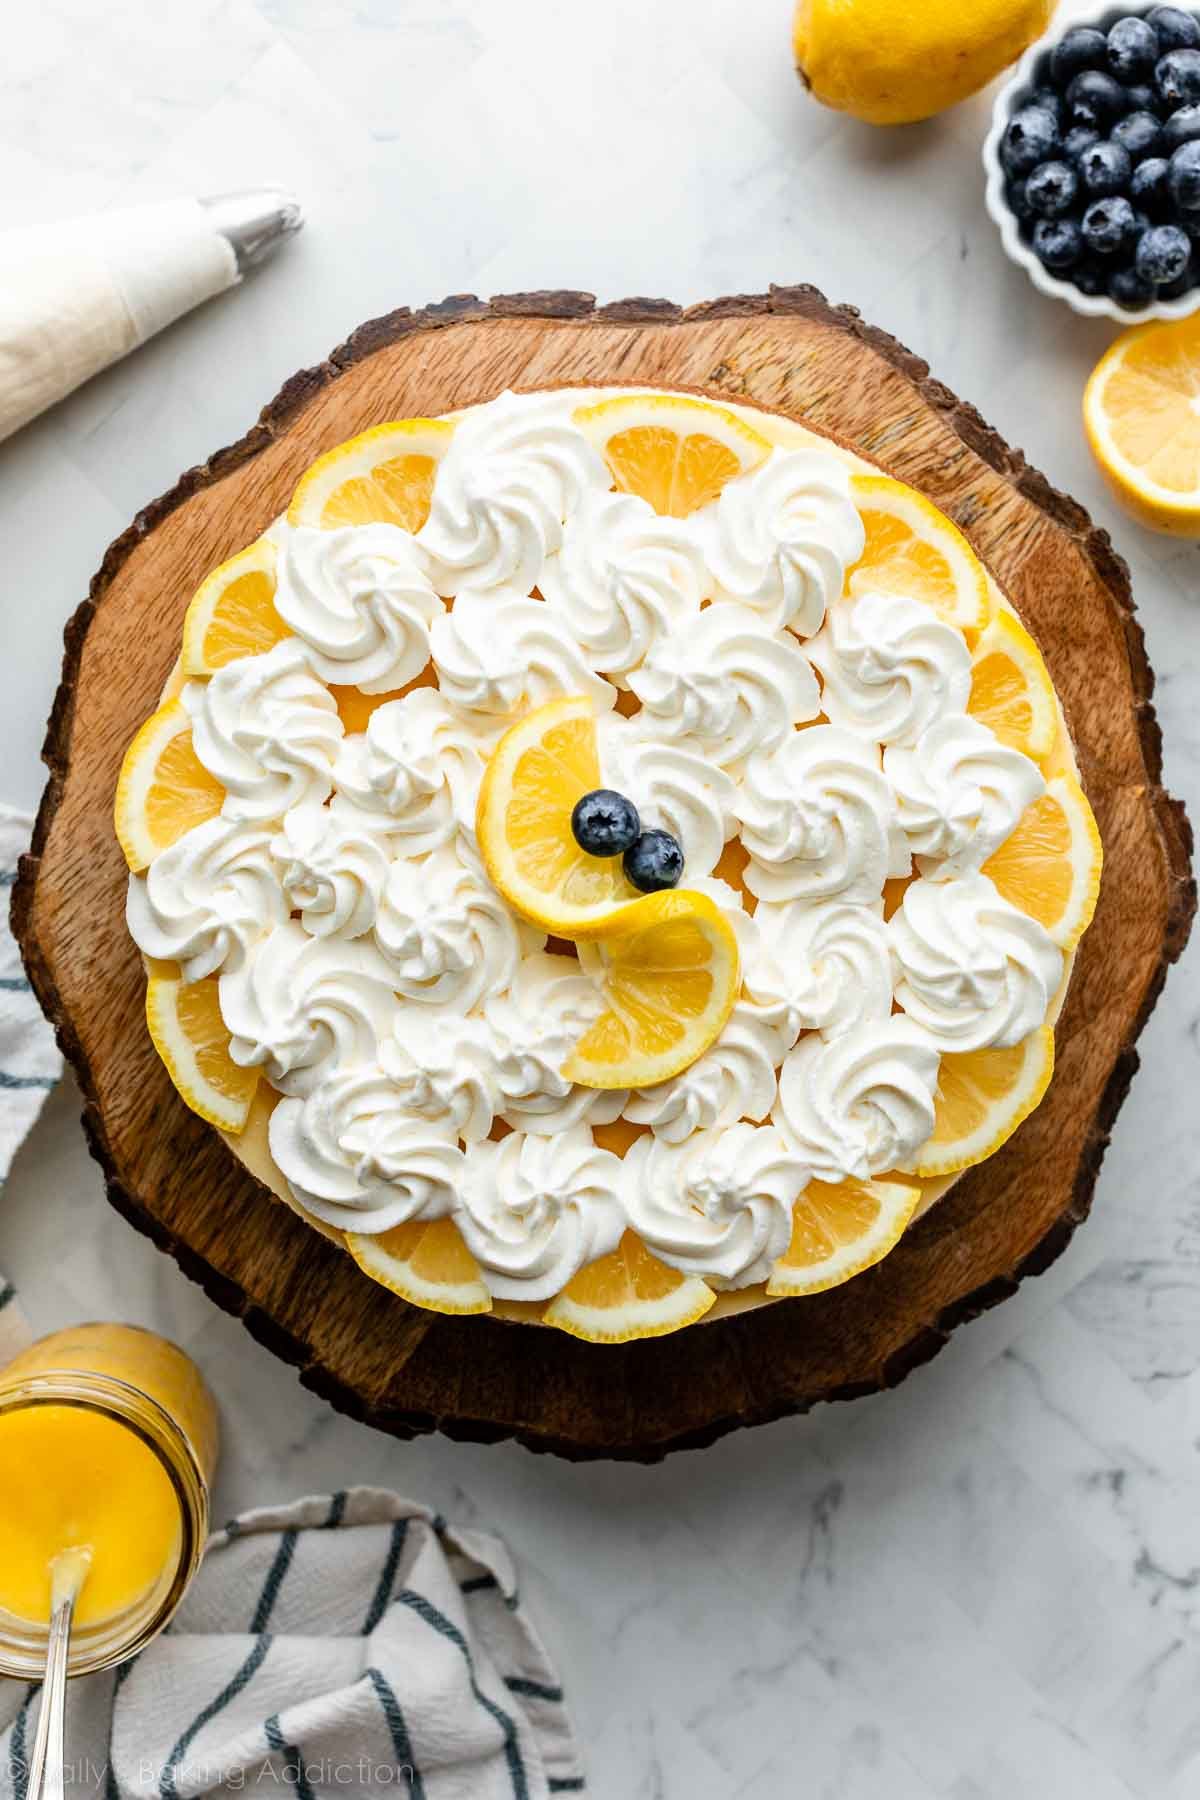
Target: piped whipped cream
[674,786]
[269,731]
[959,794]
[781,539]
[719,1203]
[333,866]
[890,667]
[448,937]
[861,1103]
[208,898]
[360,600]
[500,652]
[970,968]
[418,765]
[835,961]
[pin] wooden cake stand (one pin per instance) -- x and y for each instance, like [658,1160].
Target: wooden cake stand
[409,1371]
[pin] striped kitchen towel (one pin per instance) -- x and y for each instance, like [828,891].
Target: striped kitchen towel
[29,1062]
[351,1645]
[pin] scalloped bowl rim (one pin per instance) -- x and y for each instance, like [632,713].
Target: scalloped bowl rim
[1094,306]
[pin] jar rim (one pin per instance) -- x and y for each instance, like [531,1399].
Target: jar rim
[107,1642]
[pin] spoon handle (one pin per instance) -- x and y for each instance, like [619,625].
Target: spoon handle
[46,1763]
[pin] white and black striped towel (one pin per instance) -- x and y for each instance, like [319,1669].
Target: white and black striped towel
[342,1646]
[29,1062]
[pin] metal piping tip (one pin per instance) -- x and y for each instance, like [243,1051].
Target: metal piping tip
[255,221]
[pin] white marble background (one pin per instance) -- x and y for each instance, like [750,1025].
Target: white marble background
[986,1585]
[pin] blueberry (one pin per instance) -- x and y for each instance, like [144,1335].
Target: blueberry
[1133,49]
[1030,137]
[1077,140]
[1091,276]
[1148,185]
[653,861]
[1105,169]
[1094,98]
[1182,127]
[1108,225]
[1143,98]
[1178,77]
[1058,243]
[1182,284]
[1017,195]
[1081,48]
[1183,178]
[1176,30]
[605,823]
[1162,255]
[1137,132]
[1050,191]
[1049,99]
[1127,288]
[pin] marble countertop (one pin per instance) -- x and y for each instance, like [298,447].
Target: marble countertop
[985,1585]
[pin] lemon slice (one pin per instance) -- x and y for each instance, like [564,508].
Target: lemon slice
[163,788]
[233,613]
[1050,866]
[1141,414]
[628,1294]
[383,475]
[840,1228]
[539,769]
[425,1262]
[983,1095]
[675,453]
[191,1037]
[668,969]
[1011,689]
[914,549]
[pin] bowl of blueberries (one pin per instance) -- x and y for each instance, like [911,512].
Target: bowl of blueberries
[1093,164]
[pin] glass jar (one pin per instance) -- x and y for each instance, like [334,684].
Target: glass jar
[79,1391]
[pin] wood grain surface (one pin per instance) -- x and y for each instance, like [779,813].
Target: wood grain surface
[408,1371]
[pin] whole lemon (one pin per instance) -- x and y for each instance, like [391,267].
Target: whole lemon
[893,61]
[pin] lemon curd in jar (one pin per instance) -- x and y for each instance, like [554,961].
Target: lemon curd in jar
[107,1443]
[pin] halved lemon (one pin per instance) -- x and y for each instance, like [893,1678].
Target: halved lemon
[1011,689]
[539,769]
[383,475]
[675,453]
[425,1262]
[983,1095]
[668,969]
[1141,411]
[840,1228]
[914,549]
[232,612]
[191,1037]
[1050,866]
[628,1294]
[163,788]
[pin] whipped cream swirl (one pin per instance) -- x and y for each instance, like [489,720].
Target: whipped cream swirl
[205,901]
[535,1210]
[419,765]
[862,1103]
[970,968]
[514,471]
[447,935]
[623,578]
[501,651]
[837,961]
[734,1079]
[781,539]
[818,819]
[674,787]
[719,1204]
[332,867]
[268,730]
[959,793]
[727,683]
[354,1160]
[890,667]
[360,599]
[441,1069]
[304,1006]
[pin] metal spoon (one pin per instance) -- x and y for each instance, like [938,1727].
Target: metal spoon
[68,1572]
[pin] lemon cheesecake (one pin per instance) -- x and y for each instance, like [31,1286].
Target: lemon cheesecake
[606,858]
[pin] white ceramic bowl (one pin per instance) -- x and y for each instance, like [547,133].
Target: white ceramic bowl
[1096,306]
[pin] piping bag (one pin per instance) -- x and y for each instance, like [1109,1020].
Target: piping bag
[78,294]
